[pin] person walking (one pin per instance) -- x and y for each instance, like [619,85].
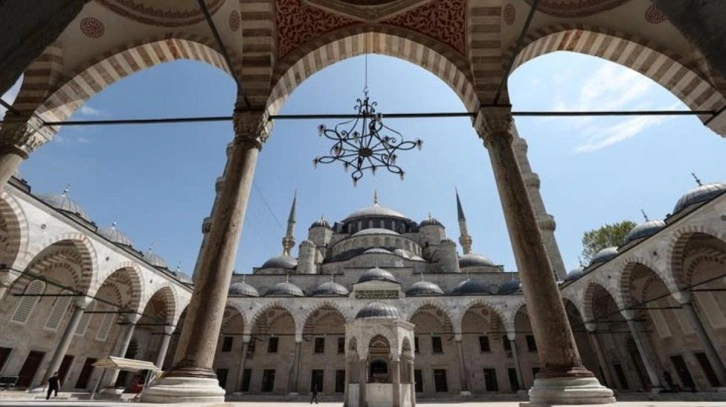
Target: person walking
[315,395]
[54,384]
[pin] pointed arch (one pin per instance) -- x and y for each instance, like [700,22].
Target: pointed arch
[126,273]
[679,240]
[629,272]
[77,246]
[168,296]
[483,301]
[324,304]
[15,225]
[591,295]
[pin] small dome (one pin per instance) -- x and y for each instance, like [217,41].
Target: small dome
[285,289]
[575,273]
[183,277]
[377,310]
[700,194]
[474,260]
[320,223]
[65,204]
[115,235]
[430,222]
[604,255]
[645,229]
[424,289]
[155,260]
[377,274]
[375,231]
[470,287]
[243,289]
[377,250]
[509,287]
[330,289]
[280,262]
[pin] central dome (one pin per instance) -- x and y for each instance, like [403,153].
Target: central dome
[375,211]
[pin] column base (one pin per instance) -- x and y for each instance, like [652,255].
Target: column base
[568,391]
[184,390]
[465,393]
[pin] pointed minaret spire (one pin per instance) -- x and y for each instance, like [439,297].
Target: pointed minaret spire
[288,242]
[698,181]
[375,198]
[464,239]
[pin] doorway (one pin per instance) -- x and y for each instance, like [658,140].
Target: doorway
[30,367]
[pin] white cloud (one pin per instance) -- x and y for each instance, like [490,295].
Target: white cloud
[604,136]
[88,111]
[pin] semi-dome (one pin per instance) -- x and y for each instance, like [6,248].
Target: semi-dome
[471,287]
[155,260]
[575,273]
[65,204]
[330,289]
[604,255]
[378,274]
[377,310]
[377,250]
[320,223]
[375,231]
[280,262]
[474,260]
[115,235]
[286,289]
[699,194]
[243,289]
[430,222]
[509,287]
[423,289]
[645,229]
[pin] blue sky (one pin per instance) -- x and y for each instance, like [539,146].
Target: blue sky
[157,181]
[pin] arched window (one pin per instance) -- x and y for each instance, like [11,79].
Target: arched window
[59,310]
[105,327]
[85,319]
[25,308]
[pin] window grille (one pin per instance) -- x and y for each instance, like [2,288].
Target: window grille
[105,327]
[25,308]
[85,320]
[59,310]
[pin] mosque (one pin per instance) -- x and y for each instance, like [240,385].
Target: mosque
[376,303]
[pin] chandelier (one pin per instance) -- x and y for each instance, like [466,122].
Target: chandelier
[364,143]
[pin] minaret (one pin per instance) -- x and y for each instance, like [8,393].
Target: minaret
[464,239]
[288,242]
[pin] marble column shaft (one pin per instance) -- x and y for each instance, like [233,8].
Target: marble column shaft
[703,337]
[515,355]
[396,372]
[555,342]
[123,346]
[65,341]
[646,352]
[595,342]
[243,359]
[293,382]
[362,381]
[198,341]
[463,373]
[412,373]
[164,346]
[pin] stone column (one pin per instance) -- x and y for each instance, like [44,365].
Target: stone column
[65,341]
[243,359]
[512,338]
[412,373]
[396,373]
[362,381]
[595,342]
[122,345]
[292,383]
[652,366]
[711,353]
[563,379]
[192,378]
[164,346]
[7,278]
[463,372]
[19,136]
[348,369]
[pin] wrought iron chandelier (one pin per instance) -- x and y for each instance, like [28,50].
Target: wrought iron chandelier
[364,142]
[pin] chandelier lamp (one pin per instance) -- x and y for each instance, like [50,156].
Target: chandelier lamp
[364,143]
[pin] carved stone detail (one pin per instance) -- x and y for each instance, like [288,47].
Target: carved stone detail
[491,121]
[251,127]
[25,134]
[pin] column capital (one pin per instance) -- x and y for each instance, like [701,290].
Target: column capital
[458,337]
[83,302]
[24,134]
[512,336]
[251,127]
[494,121]
[131,319]
[628,314]
[8,277]
[246,338]
[169,330]
[590,326]
[683,297]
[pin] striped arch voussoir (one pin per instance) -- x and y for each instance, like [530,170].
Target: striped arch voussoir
[625,279]
[684,78]
[16,226]
[118,63]
[503,317]
[261,312]
[239,309]
[430,302]
[133,271]
[588,297]
[86,253]
[676,250]
[329,304]
[439,59]
[169,295]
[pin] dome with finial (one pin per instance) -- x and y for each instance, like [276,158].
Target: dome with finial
[154,259]
[243,289]
[424,289]
[604,255]
[377,274]
[65,204]
[575,273]
[321,223]
[430,221]
[284,289]
[115,235]
[378,310]
[510,287]
[702,193]
[645,229]
[474,260]
[330,289]
[471,287]
[375,211]
[280,262]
